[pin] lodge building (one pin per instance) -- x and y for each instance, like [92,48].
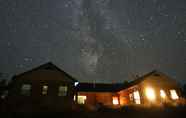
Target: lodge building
[49,86]
[45,86]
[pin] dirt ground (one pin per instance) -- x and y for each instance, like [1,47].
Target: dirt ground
[125,112]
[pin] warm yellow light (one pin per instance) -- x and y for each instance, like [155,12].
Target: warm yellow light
[150,94]
[174,95]
[45,90]
[162,94]
[74,98]
[115,100]
[81,99]
[137,97]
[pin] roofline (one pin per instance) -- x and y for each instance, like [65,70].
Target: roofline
[36,68]
[95,89]
[139,79]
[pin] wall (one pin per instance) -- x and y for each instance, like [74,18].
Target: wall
[37,79]
[95,98]
[157,82]
[124,95]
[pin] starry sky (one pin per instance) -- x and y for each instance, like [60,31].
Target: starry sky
[94,40]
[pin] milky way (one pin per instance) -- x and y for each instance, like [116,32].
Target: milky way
[94,40]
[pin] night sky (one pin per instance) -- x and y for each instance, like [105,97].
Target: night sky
[94,40]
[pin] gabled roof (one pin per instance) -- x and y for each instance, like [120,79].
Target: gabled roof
[142,78]
[98,87]
[48,66]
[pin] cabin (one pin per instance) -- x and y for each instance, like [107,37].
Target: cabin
[154,88]
[44,87]
[49,87]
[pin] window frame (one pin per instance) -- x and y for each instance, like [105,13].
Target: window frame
[44,90]
[173,94]
[62,90]
[136,97]
[26,89]
[81,99]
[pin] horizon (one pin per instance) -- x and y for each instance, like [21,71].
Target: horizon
[135,77]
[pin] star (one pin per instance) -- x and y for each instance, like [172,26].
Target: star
[98,40]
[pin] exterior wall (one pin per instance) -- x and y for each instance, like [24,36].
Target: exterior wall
[124,95]
[158,83]
[54,78]
[37,80]
[155,82]
[96,98]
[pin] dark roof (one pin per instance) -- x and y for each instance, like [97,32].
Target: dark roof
[48,66]
[142,78]
[101,87]
[98,87]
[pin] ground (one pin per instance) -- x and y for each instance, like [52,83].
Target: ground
[127,112]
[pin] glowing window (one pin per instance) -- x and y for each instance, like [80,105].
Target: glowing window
[131,97]
[115,100]
[150,94]
[174,94]
[62,91]
[136,97]
[74,98]
[26,89]
[81,99]
[162,94]
[44,90]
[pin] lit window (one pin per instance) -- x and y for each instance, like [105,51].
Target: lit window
[115,100]
[81,99]
[26,89]
[131,97]
[137,97]
[74,98]
[44,90]
[174,94]
[162,94]
[62,91]
[150,94]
